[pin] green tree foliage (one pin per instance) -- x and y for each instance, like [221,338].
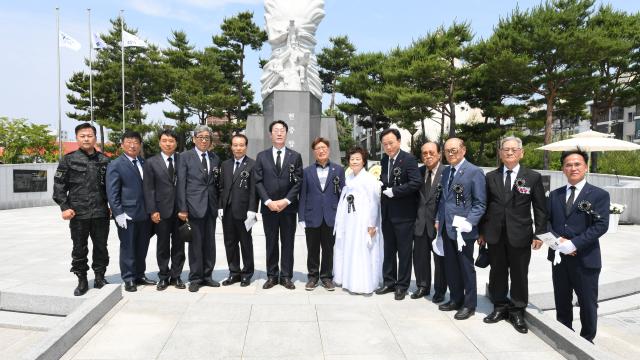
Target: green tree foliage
[23,142]
[238,33]
[334,62]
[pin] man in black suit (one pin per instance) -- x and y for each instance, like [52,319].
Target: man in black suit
[238,203]
[197,195]
[400,183]
[160,200]
[126,199]
[506,227]
[578,213]
[425,231]
[278,176]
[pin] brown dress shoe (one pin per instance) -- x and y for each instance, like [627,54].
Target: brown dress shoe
[328,284]
[271,282]
[288,284]
[311,284]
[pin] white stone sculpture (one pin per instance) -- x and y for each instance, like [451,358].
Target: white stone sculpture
[291,27]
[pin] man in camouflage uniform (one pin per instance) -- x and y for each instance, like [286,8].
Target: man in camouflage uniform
[79,189]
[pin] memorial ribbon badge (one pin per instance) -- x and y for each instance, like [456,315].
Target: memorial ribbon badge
[216,174]
[520,186]
[396,175]
[292,177]
[244,175]
[336,184]
[438,192]
[585,206]
[350,205]
[459,190]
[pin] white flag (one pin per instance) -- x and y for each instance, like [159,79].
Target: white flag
[68,42]
[132,40]
[98,43]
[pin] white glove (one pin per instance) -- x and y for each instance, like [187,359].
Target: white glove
[251,214]
[460,241]
[388,192]
[220,213]
[121,220]
[556,257]
[566,247]
[461,224]
[302,224]
[259,216]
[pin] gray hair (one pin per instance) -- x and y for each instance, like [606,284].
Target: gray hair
[201,128]
[511,138]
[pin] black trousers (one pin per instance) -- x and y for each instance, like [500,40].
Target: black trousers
[320,238]
[202,250]
[81,229]
[279,228]
[134,244]
[169,248]
[398,241]
[461,273]
[422,250]
[507,260]
[570,276]
[236,237]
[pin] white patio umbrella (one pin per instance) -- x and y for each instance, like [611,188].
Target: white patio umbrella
[591,134]
[591,143]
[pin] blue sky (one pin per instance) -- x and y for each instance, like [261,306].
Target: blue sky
[28,70]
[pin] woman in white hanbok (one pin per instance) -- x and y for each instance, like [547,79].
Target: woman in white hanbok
[358,250]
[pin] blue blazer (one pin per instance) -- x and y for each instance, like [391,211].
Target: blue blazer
[584,230]
[274,186]
[315,204]
[472,202]
[124,189]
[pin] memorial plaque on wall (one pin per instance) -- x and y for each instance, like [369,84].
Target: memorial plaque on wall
[29,180]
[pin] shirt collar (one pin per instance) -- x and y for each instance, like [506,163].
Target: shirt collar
[199,152]
[275,149]
[514,171]
[434,170]
[165,156]
[323,167]
[578,186]
[394,157]
[241,160]
[130,158]
[457,167]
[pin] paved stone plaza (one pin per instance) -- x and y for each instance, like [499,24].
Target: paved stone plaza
[234,322]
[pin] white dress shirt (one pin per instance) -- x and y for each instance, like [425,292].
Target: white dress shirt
[206,157]
[514,174]
[138,165]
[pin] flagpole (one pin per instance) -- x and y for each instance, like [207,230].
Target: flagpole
[90,67]
[122,50]
[59,104]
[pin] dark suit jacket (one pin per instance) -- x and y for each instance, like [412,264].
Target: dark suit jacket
[274,186]
[582,229]
[404,204]
[197,191]
[514,208]
[242,198]
[315,204]
[427,204]
[159,188]
[472,203]
[124,189]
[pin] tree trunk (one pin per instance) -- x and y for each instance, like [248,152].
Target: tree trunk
[442,128]
[481,149]
[102,138]
[424,131]
[373,137]
[240,83]
[333,96]
[547,127]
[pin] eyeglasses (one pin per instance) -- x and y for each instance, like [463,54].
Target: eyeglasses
[451,151]
[513,150]
[429,153]
[321,148]
[203,138]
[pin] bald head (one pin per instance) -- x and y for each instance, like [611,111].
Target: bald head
[454,151]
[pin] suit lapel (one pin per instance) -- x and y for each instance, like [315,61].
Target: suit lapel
[132,167]
[241,167]
[586,189]
[436,179]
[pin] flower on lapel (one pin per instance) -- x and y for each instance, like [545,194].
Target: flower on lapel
[520,188]
[458,188]
[586,207]
[336,184]
[397,171]
[244,175]
[292,178]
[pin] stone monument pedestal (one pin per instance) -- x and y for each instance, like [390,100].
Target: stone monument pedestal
[303,114]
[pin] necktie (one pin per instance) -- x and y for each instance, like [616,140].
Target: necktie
[205,168]
[171,169]
[427,184]
[135,163]
[279,162]
[572,197]
[390,170]
[451,175]
[236,167]
[507,182]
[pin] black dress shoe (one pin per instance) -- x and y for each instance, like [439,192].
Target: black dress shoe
[464,313]
[162,284]
[210,282]
[517,320]
[400,293]
[271,282]
[231,280]
[99,281]
[385,290]
[421,292]
[245,282]
[450,306]
[178,283]
[83,285]
[130,286]
[145,281]
[497,315]
[437,298]
[194,286]
[288,284]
